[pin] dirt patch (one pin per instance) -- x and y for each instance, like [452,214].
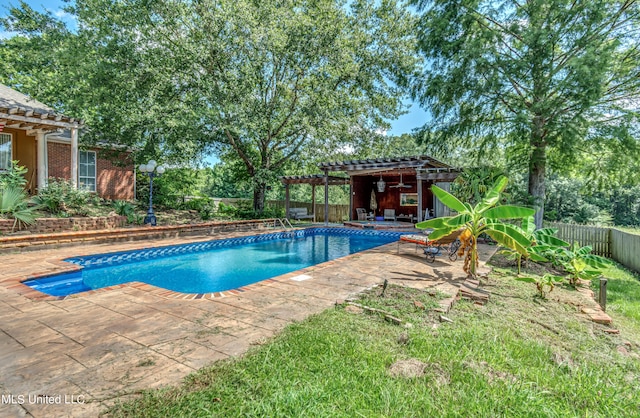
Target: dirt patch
[412,368]
[502,261]
[492,375]
[408,368]
[353,309]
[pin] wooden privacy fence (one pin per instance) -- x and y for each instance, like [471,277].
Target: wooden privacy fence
[625,249]
[337,213]
[607,242]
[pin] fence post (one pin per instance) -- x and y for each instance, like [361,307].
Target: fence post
[602,295]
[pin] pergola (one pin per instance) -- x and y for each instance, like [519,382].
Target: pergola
[30,118]
[403,175]
[314,180]
[407,176]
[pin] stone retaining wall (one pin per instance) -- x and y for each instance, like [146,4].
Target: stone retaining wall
[50,225]
[58,239]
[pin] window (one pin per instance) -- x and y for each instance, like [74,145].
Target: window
[87,168]
[5,151]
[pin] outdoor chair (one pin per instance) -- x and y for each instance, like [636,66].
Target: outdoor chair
[390,215]
[449,244]
[362,214]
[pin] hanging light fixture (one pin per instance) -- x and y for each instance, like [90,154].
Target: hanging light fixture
[381,184]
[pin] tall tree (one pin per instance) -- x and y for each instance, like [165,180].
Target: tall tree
[538,74]
[256,80]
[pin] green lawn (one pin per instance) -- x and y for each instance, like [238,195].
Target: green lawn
[516,356]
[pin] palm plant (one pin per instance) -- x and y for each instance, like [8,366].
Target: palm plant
[483,218]
[14,202]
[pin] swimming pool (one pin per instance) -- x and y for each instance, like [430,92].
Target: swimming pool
[213,266]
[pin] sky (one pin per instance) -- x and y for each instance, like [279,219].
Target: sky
[415,118]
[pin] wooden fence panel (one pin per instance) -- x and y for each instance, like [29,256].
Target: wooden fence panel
[598,238]
[625,249]
[337,213]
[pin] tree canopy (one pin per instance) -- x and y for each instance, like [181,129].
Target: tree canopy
[549,80]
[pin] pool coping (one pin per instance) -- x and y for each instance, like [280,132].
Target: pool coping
[63,266]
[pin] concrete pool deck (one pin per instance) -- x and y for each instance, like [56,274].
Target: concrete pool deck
[77,356]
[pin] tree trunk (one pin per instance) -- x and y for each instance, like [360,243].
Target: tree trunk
[259,194]
[537,167]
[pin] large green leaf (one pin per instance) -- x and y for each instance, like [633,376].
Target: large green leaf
[507,241]
[459,220]
[551,240]
[596,261]
[537,257]
[528,225]
[439,233]
[508,212]
[586,250]
[493,195]
[545,231]
[499,185]
[508,236]
[435,223]
[448,199]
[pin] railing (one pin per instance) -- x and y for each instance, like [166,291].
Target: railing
[284,222]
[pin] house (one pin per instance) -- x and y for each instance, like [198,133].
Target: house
[46,143]
[401,185]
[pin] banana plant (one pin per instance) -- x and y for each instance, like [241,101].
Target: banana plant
[580,264]
[548,281]
[543,241]
[483,218]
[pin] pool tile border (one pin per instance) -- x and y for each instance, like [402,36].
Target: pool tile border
[64,266]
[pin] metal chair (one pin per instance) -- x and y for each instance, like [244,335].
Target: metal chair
[390,215]
[450,244]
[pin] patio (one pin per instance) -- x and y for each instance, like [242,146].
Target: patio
[101,347]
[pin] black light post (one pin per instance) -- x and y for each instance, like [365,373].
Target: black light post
[153,170]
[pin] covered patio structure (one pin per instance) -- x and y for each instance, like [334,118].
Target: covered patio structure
[401,185]
[314,180]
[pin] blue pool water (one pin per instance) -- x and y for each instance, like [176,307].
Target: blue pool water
[214,266]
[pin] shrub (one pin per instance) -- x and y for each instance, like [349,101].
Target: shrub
[123,208]
[244,210]
[13,177]
[59,197]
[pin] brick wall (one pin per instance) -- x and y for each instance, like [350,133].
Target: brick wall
[112,181]
[46,225]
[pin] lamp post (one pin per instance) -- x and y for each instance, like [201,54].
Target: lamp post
[153,170]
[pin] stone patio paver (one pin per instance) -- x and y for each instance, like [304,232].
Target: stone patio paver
[106,345]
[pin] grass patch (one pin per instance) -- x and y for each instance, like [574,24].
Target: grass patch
[516,356]
[623,297]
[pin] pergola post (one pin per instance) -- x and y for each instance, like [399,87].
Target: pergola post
[419,199]
[326,197]
[313,201]
[350,198]
[74,157]
[41,160]
[286,201]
